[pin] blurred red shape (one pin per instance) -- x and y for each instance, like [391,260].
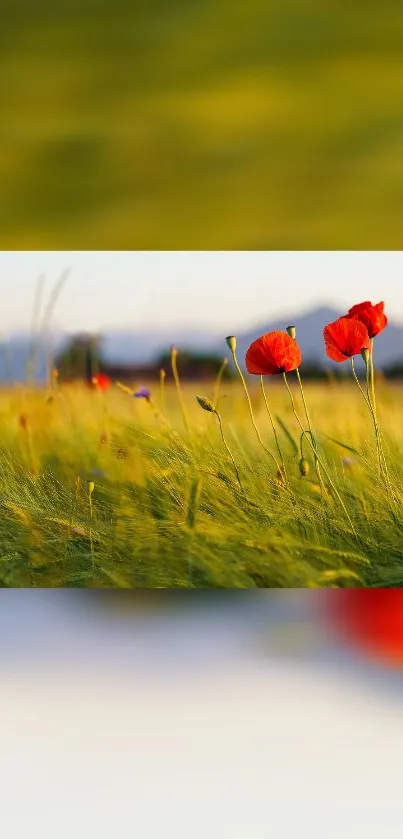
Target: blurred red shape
[371,620]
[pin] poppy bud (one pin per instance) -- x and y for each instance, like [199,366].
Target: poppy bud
[365,354]
[231,341]
[292,331]
[91,487]
[304,467]
[206,404]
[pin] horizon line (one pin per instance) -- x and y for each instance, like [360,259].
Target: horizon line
[18,331]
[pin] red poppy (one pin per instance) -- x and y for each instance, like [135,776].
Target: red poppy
[345,337]
[372,316]
[101,381]
[273,353]
[371,620]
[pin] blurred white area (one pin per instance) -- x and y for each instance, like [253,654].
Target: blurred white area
[218,290]
[205,721]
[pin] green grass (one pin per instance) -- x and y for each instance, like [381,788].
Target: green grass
[209,124]
[166,507]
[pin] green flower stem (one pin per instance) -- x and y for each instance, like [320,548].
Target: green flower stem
[373,399]
[273,427]
[251,411]
[228,449]
[372,375]
[220,374]
[337,494]
[383,468]
[70,523]
[308,419]
[90,491]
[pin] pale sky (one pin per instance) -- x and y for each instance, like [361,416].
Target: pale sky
[209,289]
[187,724]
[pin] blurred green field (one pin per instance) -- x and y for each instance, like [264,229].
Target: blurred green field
[166,510]
[207,125]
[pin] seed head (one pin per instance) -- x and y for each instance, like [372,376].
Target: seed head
[304,467]
[206,404]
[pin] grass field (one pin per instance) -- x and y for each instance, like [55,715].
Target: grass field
[206,125]
[101,490]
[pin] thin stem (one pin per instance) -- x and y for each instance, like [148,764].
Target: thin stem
[91,537]
[303,436]
[373,402]
[366,398]
[179,389]
[372,374]
[251,411]
[70,525]
[273,427]
[368,377]
[308,419]
[218,380]
[228,450]
[193,506]
[369,404]
[337,494]
[382,465]
[162,389]
[35,341]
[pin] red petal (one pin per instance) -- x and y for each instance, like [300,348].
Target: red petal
[272,354]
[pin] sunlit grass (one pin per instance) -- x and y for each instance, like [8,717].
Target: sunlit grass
[166,507]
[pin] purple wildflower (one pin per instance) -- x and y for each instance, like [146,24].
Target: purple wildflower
[348,462]
[142,393]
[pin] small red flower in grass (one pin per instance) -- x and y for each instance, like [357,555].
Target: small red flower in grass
[344,338]
[372,316]
[371,620]
[273,354]
[101,381]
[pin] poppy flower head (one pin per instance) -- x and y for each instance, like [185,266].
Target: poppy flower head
[344,338]
[372,316]
[101,381]
[273,354]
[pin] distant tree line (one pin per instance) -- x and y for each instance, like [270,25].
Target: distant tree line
[82,358]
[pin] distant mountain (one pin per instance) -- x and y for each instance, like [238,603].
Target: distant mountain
[143,347]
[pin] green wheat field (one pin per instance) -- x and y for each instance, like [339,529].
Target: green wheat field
[102,490]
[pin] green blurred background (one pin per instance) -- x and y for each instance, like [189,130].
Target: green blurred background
[210,124]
